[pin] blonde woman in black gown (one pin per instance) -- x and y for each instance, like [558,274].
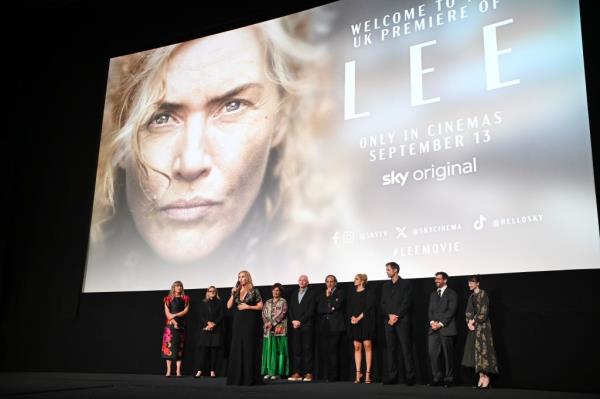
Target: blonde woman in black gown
[247,304]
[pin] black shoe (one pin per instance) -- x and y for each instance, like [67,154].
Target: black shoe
[410,382]
[389,382]
[488,387]
[435,384]
[447,384]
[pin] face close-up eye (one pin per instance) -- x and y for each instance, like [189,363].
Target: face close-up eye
[233,106]
[161,119]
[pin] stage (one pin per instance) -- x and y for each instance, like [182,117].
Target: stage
[80,385]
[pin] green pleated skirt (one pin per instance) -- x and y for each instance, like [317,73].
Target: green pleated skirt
[275,360]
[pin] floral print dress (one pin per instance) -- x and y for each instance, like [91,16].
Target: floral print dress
[479,347]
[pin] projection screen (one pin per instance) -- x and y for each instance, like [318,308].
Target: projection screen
[443,135]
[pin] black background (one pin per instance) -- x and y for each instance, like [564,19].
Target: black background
[545,323]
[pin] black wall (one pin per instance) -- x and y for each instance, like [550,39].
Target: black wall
[57,58]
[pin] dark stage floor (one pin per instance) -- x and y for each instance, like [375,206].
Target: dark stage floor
[75,385]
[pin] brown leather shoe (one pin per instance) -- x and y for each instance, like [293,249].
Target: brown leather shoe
[308,377]
[295,377]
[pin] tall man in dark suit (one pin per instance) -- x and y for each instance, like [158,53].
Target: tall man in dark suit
[396,302]
[301,313]
[330,308]
[442,329]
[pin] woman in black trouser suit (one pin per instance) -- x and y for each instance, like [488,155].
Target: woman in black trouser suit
[211,333]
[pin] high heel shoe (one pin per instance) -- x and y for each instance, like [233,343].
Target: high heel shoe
[368,377]
[487,386]
[358,377]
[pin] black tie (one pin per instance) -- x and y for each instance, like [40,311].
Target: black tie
[439,293]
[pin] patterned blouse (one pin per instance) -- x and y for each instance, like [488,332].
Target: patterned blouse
[478,307]
[276,313]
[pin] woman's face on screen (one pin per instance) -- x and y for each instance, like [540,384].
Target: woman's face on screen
[206,147]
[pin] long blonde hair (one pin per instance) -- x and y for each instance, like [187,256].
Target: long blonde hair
[247,273]
[136,87]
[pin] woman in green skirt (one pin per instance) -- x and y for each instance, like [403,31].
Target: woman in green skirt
[275,362]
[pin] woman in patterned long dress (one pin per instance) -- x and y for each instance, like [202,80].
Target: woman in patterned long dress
[177,306]
[246,303]
[479,347]
[275,358]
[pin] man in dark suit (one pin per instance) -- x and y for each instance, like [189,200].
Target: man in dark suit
[396,302]
[301,313]
[330,308]
[442,329]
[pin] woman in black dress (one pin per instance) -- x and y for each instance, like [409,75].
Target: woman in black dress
[247,305]
[211,338]
[361,309]
[177,306]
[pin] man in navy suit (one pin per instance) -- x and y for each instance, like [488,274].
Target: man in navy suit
[442,330]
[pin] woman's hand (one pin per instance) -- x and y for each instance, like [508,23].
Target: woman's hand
[471,325]
[243,306]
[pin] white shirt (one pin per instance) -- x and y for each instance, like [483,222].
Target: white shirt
[441,294]
[301,293]
[442,290]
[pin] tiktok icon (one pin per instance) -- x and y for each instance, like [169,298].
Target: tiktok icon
[479,224]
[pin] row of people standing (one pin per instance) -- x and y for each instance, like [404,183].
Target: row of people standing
[176,307]
[360,325]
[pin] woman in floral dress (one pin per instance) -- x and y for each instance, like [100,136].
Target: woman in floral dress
[479,347]
[176,307]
